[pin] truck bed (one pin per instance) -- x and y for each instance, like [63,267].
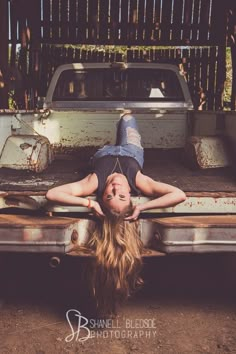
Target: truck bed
[163,165]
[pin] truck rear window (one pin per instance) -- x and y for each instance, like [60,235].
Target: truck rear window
[118,85]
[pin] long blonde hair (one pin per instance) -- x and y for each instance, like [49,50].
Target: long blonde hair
[116,269]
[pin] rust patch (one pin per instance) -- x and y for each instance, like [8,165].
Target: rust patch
[25,221]
[148,252]
[205,221]
[211,194]
[25,146]
[32,235]
[16,200]
[74,236]
[3,194]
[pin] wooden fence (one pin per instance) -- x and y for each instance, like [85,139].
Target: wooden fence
[40,26]
[126,22]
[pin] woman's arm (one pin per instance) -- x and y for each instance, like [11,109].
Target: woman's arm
[164,195]
[73,193]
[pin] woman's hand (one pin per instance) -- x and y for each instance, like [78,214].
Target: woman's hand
[135,214]
[97,210]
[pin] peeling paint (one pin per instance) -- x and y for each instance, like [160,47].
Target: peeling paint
[208,152]
[25,146]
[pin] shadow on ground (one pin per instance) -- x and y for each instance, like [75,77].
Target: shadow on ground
[30,279]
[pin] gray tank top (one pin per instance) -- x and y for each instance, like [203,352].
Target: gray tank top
[106,165]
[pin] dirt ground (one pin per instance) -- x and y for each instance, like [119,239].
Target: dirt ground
[188,305]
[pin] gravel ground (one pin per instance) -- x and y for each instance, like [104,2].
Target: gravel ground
[186,306]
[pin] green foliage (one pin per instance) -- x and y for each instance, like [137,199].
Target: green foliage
[229,77]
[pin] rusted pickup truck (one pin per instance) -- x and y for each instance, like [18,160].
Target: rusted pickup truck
[191,150]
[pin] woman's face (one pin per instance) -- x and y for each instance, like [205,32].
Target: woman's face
[116,195]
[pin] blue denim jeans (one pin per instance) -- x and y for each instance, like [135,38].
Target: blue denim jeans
[128,141]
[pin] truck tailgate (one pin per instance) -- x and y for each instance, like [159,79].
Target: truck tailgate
[63,235]
[195,234]
[27,233]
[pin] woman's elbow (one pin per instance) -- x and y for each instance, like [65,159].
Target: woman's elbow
[51,194]
[182,196]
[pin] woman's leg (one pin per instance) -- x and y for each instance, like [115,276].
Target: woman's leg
[127,131]
[128,141]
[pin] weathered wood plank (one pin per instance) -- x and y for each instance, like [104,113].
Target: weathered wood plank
[124,21]
[191,75]
[185,63]
[218,29]
[204,20]
[212,78]
[133,18]
[92,21]
[204,73]
[197,63]
[195,22]
[73,21]
[166,12]
[175,22]
[13,32]
[56,30]
[157,21]
[104,21]
[46,21]
[187,23]
[82,21]
[176,31]
[4,54]
[65,21]
[149,19]
[141,22]
[115,22]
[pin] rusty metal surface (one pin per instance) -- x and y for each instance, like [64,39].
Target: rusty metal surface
[166,166]
[26,152]
[208,221]
[24,233]
[27,233]
[208,151]
[208,191]
[172,167]
[212,194]
[196,234]
[23,221]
